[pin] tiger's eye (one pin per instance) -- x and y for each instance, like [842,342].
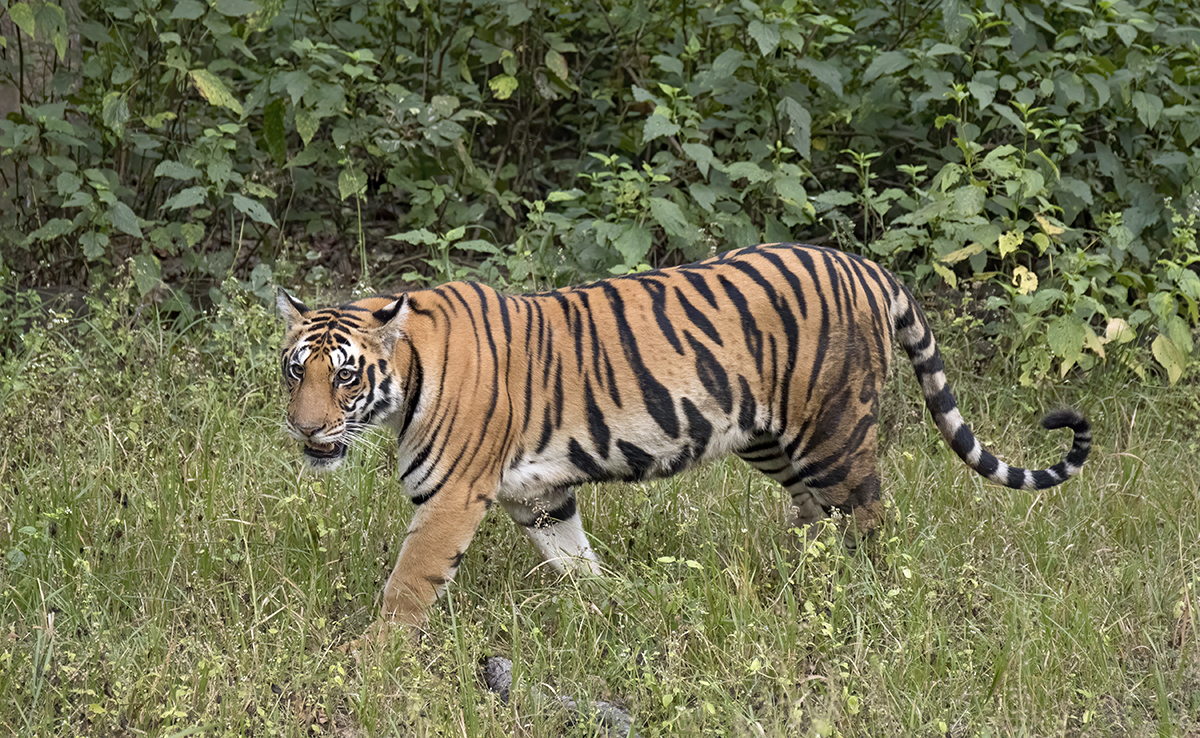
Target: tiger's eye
[345,375]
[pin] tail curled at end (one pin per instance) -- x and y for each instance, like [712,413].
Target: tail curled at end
[918,342]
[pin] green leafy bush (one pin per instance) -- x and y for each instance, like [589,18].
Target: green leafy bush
[1043,152]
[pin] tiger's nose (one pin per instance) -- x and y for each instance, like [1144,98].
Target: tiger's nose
[306,429]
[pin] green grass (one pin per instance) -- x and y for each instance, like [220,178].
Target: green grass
[169,566]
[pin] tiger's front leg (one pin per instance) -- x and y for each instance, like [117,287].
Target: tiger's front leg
[552,522]
[438,536]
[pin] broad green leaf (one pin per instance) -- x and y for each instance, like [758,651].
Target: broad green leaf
[670,216]
[1127,34]
[827,73]
[296,83]
[517,13]
[115,112]
[307,124]
[236,8]
[557,63]
[1077,188]
[146,271]
[1163,305]
[800,131]
[1148,106]
[93,244]
[1072,88]
[78,199]
[188,10]
[791,191]
[704,195]
[835,198]
[1170,357]
[418,237]
[253,209]
[67,183]
[956,19]
[274,135]
[54,228]
[214,90]
[668,64]
[747,170]
[1000,161]
[351,182]
[701,154]
[503,86]
[941,49]
[22,17]
[564,195]
[192,233]
[889,62]
[190,197]
[765,35]
[124,220]
[633,244]
[1100,84]
[175,170]
[983,89]
[728,62]
[477,245]
[658,125]
[1180,334]
[158,120]
[1065,337]
[969,200]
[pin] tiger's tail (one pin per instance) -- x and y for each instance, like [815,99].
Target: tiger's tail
[914,335]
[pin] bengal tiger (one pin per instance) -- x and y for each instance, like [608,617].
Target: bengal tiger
[776,353]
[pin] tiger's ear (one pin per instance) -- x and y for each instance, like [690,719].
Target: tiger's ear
[290,309]
[391,318]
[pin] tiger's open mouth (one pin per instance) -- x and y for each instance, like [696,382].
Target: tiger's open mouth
[325,451]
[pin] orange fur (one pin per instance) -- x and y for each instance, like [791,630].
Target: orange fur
[777,353]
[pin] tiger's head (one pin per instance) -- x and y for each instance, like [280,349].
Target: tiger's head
[339,369]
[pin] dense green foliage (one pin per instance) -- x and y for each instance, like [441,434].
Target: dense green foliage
[168,569]
[1037,156]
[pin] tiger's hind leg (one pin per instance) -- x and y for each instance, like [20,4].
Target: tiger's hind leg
[845,480]
[552,522]
[766,455]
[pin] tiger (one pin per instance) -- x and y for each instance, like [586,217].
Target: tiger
[776,353]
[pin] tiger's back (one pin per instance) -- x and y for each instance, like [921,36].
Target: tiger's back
[777,353]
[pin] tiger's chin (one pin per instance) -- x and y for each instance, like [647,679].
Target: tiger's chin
[324,456]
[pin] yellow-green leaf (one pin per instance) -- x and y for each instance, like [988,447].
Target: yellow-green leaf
[946,274]
[1009,242]
[214,90]
[557,63]
[503,86]
[307,124]
[351,182]
[966,252]
[22,16]
[1025,280]
[1171,358]
[1118,330]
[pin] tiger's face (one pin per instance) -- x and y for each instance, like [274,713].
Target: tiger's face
[337,371]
